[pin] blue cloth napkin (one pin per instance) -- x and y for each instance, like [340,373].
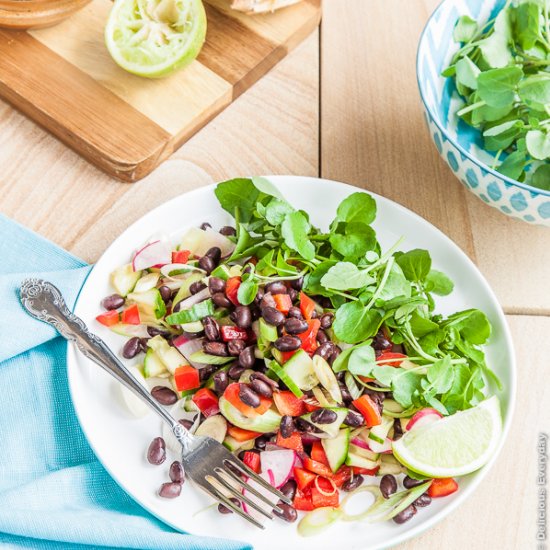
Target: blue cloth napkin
[53,491]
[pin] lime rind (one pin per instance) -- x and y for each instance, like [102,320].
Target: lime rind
[453,446]
[153,38]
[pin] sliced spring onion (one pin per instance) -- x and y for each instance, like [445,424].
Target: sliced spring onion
[352,386]
[322,491]
[172,270]
[327,378]
[373,490]
[318,520]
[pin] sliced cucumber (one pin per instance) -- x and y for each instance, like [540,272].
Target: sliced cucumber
[149,302]
[184,291]
[268,333]
[361,462]
[336,449]
[169,355]
[130,330]
[362,452]
[390,465]
[327,378]
[124,279]
[244,378]
[153,366]
[195,326]
[265,423]
[380,432]
[222,272]
[392,406]
[299,368]
[214,427]
[283,377]
[233,445]
[147,282]
[333,428]
[207,359]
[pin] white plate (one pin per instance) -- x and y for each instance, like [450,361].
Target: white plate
[120,442]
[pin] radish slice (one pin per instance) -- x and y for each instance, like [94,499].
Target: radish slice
[194,299]
[279,463]
[152,254]
[262,490]
[383,448]
[270,446]
[359,442]
[298,463]
[187,347]
[423,418]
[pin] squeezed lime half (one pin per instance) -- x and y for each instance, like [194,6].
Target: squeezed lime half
[153,38]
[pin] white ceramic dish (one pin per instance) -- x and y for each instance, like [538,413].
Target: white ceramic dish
[120,441]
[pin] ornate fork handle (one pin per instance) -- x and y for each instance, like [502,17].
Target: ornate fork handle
[44,302]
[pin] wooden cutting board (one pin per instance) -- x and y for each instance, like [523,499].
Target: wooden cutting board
[64,79]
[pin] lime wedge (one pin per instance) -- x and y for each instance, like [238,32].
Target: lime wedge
[455,445]
[153,38]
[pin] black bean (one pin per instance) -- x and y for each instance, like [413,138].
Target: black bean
[242,317]
[380,341]
[234,347]
[314,315]
[215,348]
[196,287]
[248,396]
[114,301]
[221,381]
[278,287]
[304,426]
[261,442]
[208,264]
[247,357]
[268,301]
[164,395]
[354,419]
[131,348]
[352,483]
[261,388]
[377,398]
[346,395]
[324,302]
[407,514]
[207,371]
[205,225]
[295,313]
[170,490]
[235,371]
[287,426]
[334,355]
[211,328]
[165,293]
[264,378]
[215,253]
[176,472]
[215,284]
[409,482]
[295,326]
[143,344]
[423,500]
[297,284]
[221,300]
[259,296]
[322,337]
[228,231]
[156,454]
[155,331]
[397,429]
[289,489]
[187,424]
[225,510]
[323,416]
[326,320]
[325,350]
[273,316]
[287,343]
[388,485]
[293,294]
[288,513]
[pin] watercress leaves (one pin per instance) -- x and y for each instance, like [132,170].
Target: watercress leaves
[538,144]
[294,229]
[346,276]
[438,283]
[240,195]
[416,264]
[355,240]
[354,323]
[358,207]
[498,86]
[465,29]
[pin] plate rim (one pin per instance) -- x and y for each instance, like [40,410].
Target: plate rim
[72,359]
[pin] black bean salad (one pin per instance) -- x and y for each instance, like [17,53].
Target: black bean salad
[309,354]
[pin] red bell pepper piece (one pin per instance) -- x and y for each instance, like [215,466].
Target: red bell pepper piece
[307,305]
[252,460]
[207,402]
[302,501]
[442,487]
[283,302]
[109,318]
[186,377]
[318,497]
[232,288]
[180,256]
[343,474]
[294,441]
[286,355]
[312,404]
[231,393]
[309,337]
[365,405]
[303,478]
[288,404]
[365,471]
[240,434]
[386,355]
[318,453]
[130,316]
[233,333]
[317,467]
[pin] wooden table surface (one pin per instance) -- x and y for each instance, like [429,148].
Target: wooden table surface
[344,105]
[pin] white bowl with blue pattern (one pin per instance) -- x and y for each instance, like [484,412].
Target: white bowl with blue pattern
[459,144]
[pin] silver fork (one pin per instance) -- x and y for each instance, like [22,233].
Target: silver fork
[208,463]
